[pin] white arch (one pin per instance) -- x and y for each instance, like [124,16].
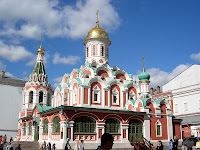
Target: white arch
[122,72]
[86,68]
[97,79]
[72,73]
[105,69]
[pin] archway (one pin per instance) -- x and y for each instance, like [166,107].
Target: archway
[135,129]
[36,134]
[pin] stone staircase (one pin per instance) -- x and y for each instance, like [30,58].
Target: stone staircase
[25,145]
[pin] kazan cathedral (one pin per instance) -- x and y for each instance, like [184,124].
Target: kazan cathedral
[94,99]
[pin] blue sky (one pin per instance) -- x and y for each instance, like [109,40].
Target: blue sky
[165,32]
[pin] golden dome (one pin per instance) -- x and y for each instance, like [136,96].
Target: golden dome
[97,33]
[40,50]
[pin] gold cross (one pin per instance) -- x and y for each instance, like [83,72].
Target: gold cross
[97,15]
[41,42]
[143,64]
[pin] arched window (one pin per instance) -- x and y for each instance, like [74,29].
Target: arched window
[40,97]
[84,124]
[30,128]
[48,99]
[112,126]
[30,97]
[115,97]
[45,126]
[102,50]
[96,95]
[75,96]
[158,129]
[56,125]
[135,129]
[24,129]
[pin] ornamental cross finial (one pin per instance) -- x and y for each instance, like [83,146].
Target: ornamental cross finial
[41,42]
[97,22]
[143,64]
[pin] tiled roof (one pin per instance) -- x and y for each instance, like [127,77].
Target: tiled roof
[12,81]
[193,119]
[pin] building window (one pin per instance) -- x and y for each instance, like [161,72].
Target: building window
[30,128]
[102,51]
[84,124]
[96,95]
[40,97]
[75,96]
[115,97]
[56,125]
[45,126]
[185,106]
[24,129]
[87,51]
[48,99]
[158,129]
[131,95]
[176,108]
[112,126]
[30,97]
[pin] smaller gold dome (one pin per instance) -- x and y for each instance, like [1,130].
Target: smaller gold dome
[97,33]
[40,50]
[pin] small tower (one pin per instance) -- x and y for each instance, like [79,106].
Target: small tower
[144,81]
[96,45]
[37,90]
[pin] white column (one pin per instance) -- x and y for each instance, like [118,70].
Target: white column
[71,126]
[146,127]
[124,127]
[169,124]
[33,132]
[82,96]
[121,99]
[100,126]
[50,128]
[45,99]
[109,98]
[89,96]
[40,131]
[103,97]
[63,126]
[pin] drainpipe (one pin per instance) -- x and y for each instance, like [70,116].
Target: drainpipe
[66,121]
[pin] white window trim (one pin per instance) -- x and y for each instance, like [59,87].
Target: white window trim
[115,92]
[185,105]
[75,96]
[175,108]
[159,123]
[97,91]
[132,94]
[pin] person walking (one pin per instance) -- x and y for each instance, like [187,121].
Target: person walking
[11,139]
[106,142]
[80,145]
[49,146]
[9,146]
[159,145]
[18,147]
[54,147]
[175,143]
[4,139]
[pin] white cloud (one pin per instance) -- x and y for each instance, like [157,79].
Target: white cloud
[57,81]
[72,60]
[195,57]
[31,18]
[13,53]
[159,77]
[2,66]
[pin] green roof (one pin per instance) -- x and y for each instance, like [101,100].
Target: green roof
[39,68]
[37,119]
[144,100]
[79,81]
[59,86]
[128,84]
[43,108]
[158,101]
[144,76]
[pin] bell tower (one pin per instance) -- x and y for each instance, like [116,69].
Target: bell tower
[96,45]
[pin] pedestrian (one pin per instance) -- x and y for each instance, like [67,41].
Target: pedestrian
[18,147]
[106,142]
[54,147]
[49,146]
[9,146]
[159,145]
[4,139]
[80,145]
[66,146]
[44,146]
[0,140]
[175,143]
[11,139]
[76,145]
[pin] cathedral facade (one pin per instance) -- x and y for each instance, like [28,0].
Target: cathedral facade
[94,99]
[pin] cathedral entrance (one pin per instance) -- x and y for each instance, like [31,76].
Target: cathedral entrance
[135,129]
[36,134]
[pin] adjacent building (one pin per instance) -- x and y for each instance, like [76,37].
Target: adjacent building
[185,89]
[10,104]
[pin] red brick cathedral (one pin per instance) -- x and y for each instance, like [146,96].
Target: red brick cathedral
[94,99]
